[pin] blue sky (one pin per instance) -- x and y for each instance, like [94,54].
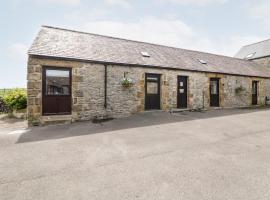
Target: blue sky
[216,26]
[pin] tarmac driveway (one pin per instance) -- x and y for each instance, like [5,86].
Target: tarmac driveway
[221,154]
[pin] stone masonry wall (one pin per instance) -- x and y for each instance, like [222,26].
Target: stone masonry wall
[88,89]
[263,61]
[122,102]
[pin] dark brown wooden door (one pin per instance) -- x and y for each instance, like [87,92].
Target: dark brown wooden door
[182,91]
[214,92]
[152,91]
[56,91]
[254,92]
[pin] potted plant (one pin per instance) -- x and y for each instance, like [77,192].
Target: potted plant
[127,82]
[239,90]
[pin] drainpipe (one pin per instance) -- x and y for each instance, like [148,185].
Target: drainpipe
[105,86]
[203,99]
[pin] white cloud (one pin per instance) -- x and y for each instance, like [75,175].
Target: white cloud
[194,2]
[261,10]
[167,32]
[123,3]
[17,51]
[60,2]
[234,43]
[80,16]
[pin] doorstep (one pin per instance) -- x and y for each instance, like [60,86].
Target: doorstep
[177,110]
[215,108]
[56,119]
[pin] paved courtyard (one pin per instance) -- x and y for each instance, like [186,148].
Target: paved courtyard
[214,155]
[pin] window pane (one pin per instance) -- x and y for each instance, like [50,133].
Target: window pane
[254,88]
[57,73]
[213,87]
[152,78]
[152,88]
[57,82]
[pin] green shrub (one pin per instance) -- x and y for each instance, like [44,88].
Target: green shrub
[4,108]
[16,99]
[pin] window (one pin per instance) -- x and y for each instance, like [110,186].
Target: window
[249,56]
[152,78]
[145,54]
[202,61]
[57,82]
[213,87]
[152,88]
[254,87]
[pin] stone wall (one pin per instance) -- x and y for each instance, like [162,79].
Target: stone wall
[125,101]
[122,101]
[263,61]
[88,89]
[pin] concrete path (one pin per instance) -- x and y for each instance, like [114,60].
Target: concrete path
[198,156]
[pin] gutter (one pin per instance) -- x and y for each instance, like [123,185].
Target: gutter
[105,86]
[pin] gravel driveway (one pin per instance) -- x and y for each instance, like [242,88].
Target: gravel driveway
[220,154]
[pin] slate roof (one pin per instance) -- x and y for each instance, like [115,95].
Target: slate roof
[68,44]
[259,49]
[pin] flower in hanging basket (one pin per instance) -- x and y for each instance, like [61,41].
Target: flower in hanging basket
[239,90]
[127,82]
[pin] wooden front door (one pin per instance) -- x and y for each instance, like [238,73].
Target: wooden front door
[56,91]
[254,92]
[214,92]
[182,92]
[152,91]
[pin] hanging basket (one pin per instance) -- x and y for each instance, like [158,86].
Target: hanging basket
[127,82]
[239,90]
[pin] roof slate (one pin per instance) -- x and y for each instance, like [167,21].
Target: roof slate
[69,44]
[261,49]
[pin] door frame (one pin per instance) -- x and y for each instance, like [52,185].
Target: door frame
[186,91]
[218,92]
[43,90]
[159,90]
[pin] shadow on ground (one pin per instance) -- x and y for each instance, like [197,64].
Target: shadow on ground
[138,120]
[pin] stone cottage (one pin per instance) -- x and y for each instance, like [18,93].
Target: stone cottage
[258,52]
[75,76]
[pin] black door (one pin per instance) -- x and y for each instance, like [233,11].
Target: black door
[182,92]
[56,91]
[152,91]
[214,92]
[254,92]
